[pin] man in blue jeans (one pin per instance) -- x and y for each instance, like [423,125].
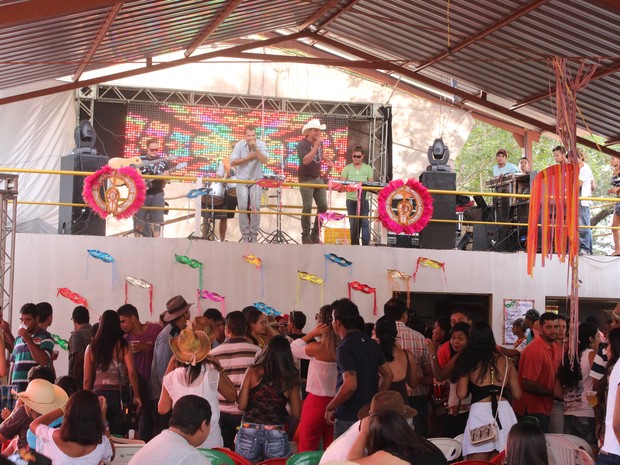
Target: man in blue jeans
[311,155]
[359,362]
[358,171]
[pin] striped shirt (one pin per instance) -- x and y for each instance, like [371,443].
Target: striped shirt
[23,360]
[235,355]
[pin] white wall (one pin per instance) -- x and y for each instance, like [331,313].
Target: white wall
[44,263]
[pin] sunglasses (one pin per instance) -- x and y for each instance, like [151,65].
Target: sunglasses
[357,156]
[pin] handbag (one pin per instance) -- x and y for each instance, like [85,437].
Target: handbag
[488,432]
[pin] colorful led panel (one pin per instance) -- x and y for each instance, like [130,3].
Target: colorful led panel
[202,136]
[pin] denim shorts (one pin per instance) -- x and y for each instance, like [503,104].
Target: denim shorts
[260,444]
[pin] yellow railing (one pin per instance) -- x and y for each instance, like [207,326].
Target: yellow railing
[608,200]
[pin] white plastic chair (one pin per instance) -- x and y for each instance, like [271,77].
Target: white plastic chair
[563,451]
[574,440]
[459,438]
[450,448]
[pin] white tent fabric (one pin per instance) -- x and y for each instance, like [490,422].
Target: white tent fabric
[35,134]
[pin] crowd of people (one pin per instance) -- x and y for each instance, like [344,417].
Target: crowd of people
[366,395]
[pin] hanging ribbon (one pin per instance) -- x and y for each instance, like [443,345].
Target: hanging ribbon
[394,275]
[62,343]
[193,193]
[213,296]
[140,283]
[258,263]
[314,279]
[332,257]
[269,311]
[193,264]
[366,289]
[269,183]
[72,296]
[422,261]
[105,258]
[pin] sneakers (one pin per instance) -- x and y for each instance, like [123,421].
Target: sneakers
[306,240]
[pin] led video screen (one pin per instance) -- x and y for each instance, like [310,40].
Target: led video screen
[202,136]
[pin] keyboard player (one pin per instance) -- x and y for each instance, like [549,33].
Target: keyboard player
[358,171]
[500,170]
[503,165]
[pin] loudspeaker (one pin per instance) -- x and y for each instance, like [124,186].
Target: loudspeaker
[78,220]
[407,241]
[440,235]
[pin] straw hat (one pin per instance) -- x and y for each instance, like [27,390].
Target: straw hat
[176,307]
[387,400]
[202,323]
[615,313]
[43,396]
[313,124]
[190,347]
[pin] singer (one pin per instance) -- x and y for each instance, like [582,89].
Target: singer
[248,157]
[311,155]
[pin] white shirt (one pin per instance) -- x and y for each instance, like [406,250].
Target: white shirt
[340,448]
[321,379]
[204,386]
[586,177]
[102,453]
[610,443]
[168,448]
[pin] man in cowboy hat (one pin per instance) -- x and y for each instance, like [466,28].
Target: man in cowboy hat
[176,315]
[384,400]
[189,428]
[311,155]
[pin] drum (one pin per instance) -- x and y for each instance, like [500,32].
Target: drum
[219,191]
[231,190]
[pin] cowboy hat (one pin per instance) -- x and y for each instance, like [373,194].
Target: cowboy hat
[615,313]
[202,323]
[313,124]
[387,400]
[190,347]
[43,396]
[176,307]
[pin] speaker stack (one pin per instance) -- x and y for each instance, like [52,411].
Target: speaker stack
[78,220]
[440,235]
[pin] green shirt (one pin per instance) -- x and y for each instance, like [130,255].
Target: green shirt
[351,173]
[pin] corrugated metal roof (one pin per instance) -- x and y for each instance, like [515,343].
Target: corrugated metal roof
[507,55]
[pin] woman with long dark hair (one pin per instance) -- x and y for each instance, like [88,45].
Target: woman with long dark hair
[191,371]
[82,439]
[268,386]
[488,376]
[526,445]
[390,440]
[576,385]
[109,369]
[458,409]
[321,381]
[258,328]
[401,362]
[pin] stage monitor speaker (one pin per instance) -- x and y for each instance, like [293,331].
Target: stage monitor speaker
[440,235]
[407,241]
[78,220]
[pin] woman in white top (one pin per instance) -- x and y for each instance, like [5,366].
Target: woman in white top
[610,451]
[576,385]
[196,375]
[321,382]
[82,439]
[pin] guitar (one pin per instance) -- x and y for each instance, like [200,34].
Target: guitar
[137,162]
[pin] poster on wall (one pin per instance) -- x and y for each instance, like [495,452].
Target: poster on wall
[513,309]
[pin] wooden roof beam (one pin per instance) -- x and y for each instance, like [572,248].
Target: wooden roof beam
[476,37]
[103,31]
[324,10]
[149,68]
[446,88]
[601,73]
[18,13]
[212,27]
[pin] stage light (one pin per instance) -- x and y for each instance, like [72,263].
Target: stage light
[438,156]
[85,138]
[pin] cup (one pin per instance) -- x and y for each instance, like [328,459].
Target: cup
[592,398]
